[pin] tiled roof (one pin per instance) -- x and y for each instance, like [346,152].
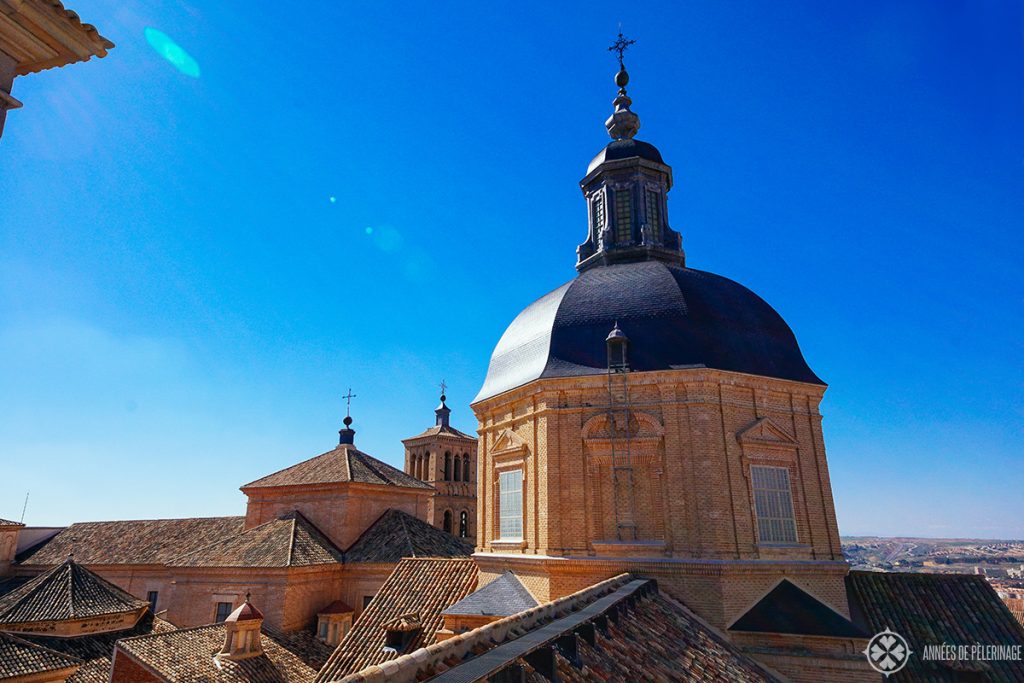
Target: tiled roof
[446,430]
[68,591]
[340,465]
[504,596]
[186,656]
[422,586]
[7,522]
[789,609]
[397,534]
[652,638]
[22,658]
[289,541]
[96,650]
[937,609]
[149,541]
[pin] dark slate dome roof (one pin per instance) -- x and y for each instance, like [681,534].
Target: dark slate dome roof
[674,317]
[624,149]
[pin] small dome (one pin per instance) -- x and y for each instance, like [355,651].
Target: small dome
[675,317]
[624,149]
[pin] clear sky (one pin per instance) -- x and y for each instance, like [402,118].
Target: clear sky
[182,303]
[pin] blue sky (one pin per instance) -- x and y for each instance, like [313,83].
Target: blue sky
[182,304]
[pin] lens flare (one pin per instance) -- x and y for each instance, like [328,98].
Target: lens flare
[333,199]
[172,52]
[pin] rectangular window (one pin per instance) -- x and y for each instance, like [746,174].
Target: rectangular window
[151,598]
[654,213]
[223,611]
[366,601]
[773,502]
[323,629]
[623,218]
[510,504]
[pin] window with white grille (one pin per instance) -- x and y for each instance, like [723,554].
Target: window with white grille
[773,502]
[510,504]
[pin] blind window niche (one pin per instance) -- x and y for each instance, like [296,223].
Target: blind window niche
[773,503]
[597,213]
[510,505]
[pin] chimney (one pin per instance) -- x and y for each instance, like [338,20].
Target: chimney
[242,633]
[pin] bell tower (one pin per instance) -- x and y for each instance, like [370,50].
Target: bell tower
[445,458]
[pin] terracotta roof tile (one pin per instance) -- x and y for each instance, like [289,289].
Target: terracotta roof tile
[422,586]
[439,430]
[186,656]
[68,591]
[289,541]
[96,650]
[397,534]
[7,522]
[339,465]
[21,658]
[149,541]
[936,609]
[652,638]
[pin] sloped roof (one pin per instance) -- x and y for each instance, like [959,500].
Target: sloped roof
[789,609]
[289,541]
[7,522]
[398,534]
[339,465]
[186,656]
[97,649]
[68,591]
[144,541]
[936,609]
[653,638]
[504,596]
[21,658]
[422,586]
[438,430]
[42,34]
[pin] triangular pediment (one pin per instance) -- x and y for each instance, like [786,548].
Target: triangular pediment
[789,609]
[767,433]
[507,442]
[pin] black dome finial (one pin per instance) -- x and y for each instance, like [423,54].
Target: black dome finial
[347,435]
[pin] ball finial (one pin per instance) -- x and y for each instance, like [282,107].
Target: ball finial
[347,421]
[622,78]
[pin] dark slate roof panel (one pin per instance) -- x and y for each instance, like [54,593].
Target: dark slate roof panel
[504,596]
[68,591]
[339,465]
[398,534]
[289,541]
[147,541]
[936,609]
[789,609]
[625,149]
[21,658]
[673,316]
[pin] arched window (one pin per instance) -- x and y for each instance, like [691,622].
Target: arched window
[448,521]
[457,474]
[447,466]
[463,524]
[465,467]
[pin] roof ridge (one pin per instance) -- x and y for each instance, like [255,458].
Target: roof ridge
[158,519]
[42,648]
[314,530]
[22,592]
[71,585]
[154,634]
[408,539]
[291,539]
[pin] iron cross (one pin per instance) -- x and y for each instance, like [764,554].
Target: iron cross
[348,402]
[444,387]
[620,45]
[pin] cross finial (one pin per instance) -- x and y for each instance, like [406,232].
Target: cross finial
[444,389]
[348,402]
[620,45]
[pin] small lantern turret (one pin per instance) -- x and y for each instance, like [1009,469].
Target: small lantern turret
[618,350]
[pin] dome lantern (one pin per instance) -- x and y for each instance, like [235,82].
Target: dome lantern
[625,188]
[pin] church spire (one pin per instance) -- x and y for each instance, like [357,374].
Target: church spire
[626,187]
